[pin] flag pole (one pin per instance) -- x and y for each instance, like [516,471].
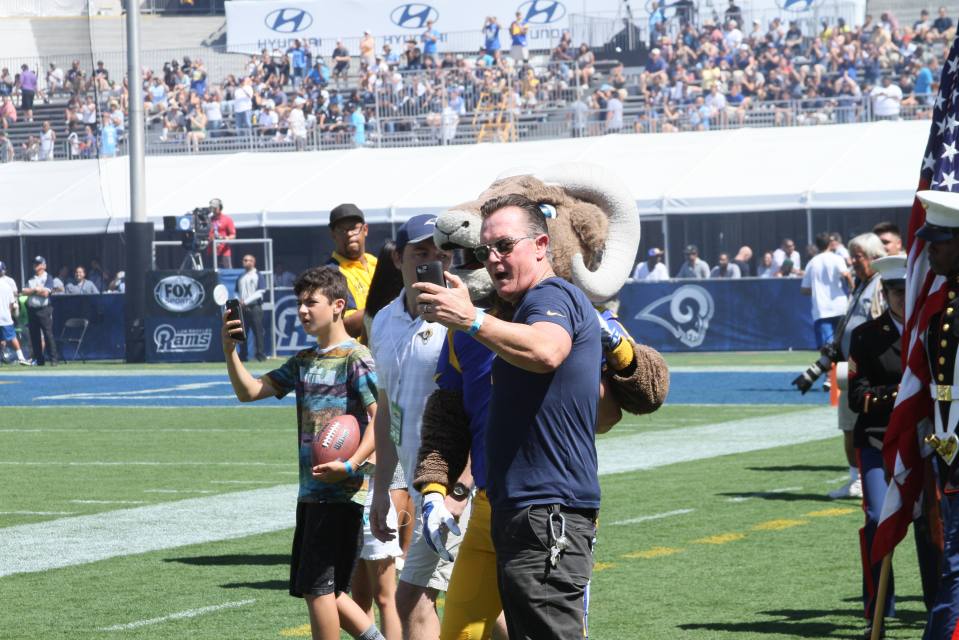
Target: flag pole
[878,612]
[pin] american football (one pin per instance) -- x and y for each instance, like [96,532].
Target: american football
[337,440]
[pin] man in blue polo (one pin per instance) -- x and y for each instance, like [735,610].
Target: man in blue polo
[542,479]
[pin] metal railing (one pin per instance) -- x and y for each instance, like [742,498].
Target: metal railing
[504,124]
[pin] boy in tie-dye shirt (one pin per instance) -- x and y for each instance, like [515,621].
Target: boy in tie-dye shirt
[331,379]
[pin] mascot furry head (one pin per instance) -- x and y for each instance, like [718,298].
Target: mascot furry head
[593,228]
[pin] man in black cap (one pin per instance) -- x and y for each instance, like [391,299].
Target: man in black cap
[40,313]
[349,229]
[693,267]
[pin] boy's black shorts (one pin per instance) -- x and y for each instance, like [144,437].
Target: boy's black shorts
[326,545]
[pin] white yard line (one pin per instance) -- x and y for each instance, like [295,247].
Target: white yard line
[70,541]
[658,448]
[152,430]
[727,368]
[179,491]
[655,516]
[37,513]
[107,501]
[179,615]
[139,393]
[139,463]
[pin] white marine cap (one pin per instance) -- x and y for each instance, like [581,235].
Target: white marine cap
[892,269]
[942,215]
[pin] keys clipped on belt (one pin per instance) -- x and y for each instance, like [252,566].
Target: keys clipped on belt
[560,542]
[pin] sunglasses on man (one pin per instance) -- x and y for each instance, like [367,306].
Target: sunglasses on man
[502,247]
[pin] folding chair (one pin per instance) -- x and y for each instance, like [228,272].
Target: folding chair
[77,328]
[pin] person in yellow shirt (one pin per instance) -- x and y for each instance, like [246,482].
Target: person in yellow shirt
[349,229]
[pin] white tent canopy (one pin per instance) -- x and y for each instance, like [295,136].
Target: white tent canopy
[830,167]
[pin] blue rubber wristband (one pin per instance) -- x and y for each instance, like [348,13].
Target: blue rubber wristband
[349,468]
[477,323]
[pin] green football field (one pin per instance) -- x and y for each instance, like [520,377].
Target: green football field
[130,523]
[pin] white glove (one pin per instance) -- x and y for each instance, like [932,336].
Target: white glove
[436,517]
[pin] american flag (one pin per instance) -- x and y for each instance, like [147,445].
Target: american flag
[925,297]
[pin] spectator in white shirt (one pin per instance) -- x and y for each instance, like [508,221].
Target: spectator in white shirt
[48,139]
[733,36]
[823,280]
[787,252]
[243,104]
[653,270]
[55,78]
[886,100]
[298,124]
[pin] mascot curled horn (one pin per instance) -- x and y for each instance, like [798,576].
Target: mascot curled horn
[594,236]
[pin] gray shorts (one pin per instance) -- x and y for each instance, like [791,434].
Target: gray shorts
[423,567]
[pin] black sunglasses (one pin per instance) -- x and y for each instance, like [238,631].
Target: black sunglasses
[502,247]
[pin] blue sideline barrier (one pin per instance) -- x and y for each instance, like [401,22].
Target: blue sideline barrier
[104,339]
[749,314]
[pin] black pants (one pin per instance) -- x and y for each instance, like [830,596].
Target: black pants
[40,322]
[542,601]
[253,319]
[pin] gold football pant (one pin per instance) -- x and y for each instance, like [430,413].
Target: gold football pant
[472,600]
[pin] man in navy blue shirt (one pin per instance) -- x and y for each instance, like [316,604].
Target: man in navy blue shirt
[542,482]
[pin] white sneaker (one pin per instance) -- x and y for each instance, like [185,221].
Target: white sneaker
[852,489]
[855,489]
[26,363]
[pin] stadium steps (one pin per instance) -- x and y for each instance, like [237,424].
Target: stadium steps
[102,34]
[19,132]
[906,11]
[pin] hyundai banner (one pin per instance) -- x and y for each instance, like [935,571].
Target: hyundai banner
[182,320]
[254,25]
[750,314]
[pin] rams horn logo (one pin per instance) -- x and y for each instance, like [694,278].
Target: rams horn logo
[690,310]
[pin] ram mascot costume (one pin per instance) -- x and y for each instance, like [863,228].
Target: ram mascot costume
[594,235]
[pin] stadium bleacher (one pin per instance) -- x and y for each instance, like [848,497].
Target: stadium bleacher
[458,105]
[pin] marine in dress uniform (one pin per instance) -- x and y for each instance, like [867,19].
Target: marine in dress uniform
[941,231]
[875,370]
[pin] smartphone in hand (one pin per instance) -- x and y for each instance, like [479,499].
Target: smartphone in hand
[431,272]
[233,306]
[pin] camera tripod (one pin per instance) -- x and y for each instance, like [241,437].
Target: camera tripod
[192,261]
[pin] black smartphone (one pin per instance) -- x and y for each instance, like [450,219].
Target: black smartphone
[233,306]
[431,272]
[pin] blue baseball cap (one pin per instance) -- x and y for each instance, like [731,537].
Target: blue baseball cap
[39,260]
[416,229]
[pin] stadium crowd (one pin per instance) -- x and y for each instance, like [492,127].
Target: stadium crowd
[696,77]
[782,262]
